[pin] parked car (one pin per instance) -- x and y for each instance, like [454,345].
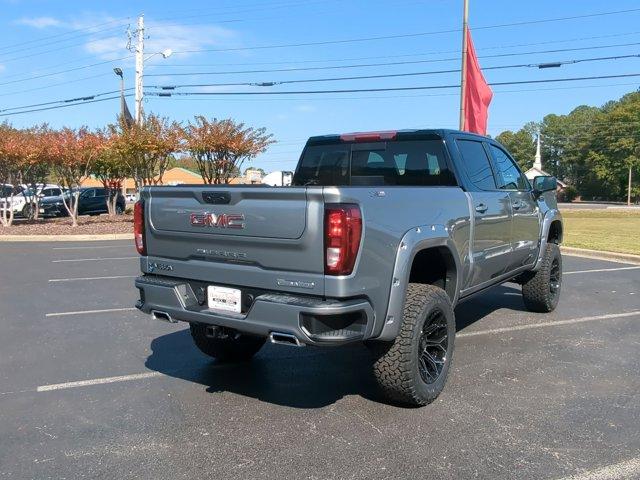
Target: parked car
[378,239]
[6,189]
[91,201]
[23,201]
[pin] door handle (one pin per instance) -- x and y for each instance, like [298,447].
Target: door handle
[517,205]
[481,208]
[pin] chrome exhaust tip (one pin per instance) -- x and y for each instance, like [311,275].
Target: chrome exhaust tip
[285,339]
[164,316]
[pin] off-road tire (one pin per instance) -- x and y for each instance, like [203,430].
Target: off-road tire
[397,364]
[231,348]
[541,291]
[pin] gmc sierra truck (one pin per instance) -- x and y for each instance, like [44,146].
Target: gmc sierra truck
[378,238]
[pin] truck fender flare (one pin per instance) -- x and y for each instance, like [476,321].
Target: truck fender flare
[549,217]
[413,241]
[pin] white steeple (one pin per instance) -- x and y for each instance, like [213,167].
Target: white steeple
[537,162]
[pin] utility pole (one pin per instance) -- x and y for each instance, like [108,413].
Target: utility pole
[139,69]
[629,187]
[463,69]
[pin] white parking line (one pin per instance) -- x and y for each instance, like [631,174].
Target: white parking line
[618,471]
[91,259]
[139,376]
[601,270]
[84,312]
[97,381]
[556,323]
[88,248]
[90,278]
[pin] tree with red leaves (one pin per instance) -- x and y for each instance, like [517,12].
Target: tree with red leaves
[146,148]
[73,153]
[220,147]
[10,153]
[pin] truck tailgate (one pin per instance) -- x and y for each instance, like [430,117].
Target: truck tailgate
[260,237]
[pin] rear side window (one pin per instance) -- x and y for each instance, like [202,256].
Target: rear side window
[324,165]
[406,163]
[509,175]
[476,163]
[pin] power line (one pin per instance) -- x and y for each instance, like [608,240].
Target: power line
[91,65]
[261,7]
[395,97]
[62,106]
[95,32]
[399,55]
[405,35]
[390,75]
[53,85]
[42,39]
[69,100]
[394,89]
[82,67]
[91,98]
[384,64]
[53,50]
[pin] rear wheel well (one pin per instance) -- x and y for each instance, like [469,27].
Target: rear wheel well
[555,232]
[435,266]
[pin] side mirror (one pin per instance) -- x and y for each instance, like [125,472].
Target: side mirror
[543,184]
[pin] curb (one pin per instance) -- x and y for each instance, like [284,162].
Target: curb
[66,238]
[601,255]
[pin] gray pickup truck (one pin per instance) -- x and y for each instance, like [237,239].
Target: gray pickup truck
[379,237]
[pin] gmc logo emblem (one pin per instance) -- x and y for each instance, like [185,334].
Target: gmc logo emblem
[223,220]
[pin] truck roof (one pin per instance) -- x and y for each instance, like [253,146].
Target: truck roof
[374,136]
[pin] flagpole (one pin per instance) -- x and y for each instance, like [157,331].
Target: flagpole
[463,69]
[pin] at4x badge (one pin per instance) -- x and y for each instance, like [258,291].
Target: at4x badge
[222,220]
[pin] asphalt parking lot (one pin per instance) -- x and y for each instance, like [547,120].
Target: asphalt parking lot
[89,387]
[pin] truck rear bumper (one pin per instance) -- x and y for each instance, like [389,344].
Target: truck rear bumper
[312,320]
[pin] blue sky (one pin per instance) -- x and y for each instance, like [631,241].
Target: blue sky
[43,38]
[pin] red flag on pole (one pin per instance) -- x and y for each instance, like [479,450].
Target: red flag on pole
[478,94]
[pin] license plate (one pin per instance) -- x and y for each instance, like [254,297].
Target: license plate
[224,299]
[42,210]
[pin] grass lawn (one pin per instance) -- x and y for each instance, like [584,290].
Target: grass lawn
[615,231]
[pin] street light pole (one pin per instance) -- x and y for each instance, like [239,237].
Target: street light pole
[139,69]
[463,69]
[119,73]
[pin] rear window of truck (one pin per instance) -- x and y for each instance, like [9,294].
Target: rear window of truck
[406,163]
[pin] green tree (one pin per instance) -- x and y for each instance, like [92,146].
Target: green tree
[521,146]
[615,151]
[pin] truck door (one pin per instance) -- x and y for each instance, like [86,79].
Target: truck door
[491,210]
[525,226]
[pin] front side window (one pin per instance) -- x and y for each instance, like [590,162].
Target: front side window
[477,164]
[509,175]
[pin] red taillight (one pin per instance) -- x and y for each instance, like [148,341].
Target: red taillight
[368,136]
[138,227]
[342,231]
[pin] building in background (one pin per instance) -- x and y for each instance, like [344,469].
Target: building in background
[537,171]
[180,176]
[278,179]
